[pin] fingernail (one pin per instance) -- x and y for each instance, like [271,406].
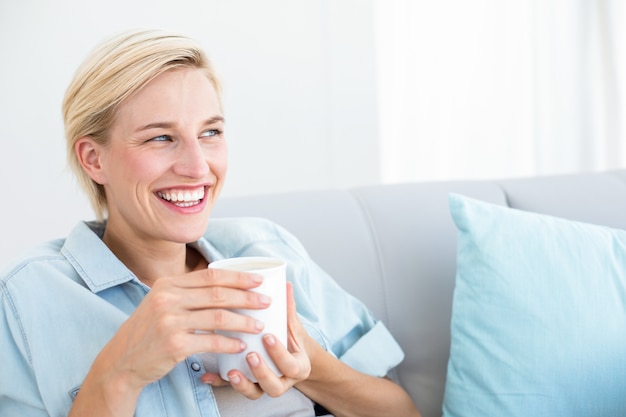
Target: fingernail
[265,299]
[259,325]
[242,346]
[257,278]
[270,339]
[253,359]
[234,378]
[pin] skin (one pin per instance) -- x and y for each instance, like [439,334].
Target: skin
[169,136]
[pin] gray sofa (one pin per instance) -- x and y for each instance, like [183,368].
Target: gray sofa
[394,247]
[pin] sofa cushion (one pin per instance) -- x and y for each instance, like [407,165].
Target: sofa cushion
[539,315]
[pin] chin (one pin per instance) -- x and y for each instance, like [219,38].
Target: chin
[190,234]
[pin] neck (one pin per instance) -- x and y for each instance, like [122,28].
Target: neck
[150,261]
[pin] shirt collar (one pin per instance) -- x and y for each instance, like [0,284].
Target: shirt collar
[99,268]
[92,259]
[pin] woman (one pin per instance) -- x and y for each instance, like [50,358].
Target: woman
[117,319]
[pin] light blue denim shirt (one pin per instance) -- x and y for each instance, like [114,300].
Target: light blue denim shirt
[64,301]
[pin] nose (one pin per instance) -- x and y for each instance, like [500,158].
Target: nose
[191,160]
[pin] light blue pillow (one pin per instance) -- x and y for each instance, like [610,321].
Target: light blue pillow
[539,316]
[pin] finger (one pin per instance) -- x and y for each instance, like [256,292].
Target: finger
[210,289]
[219,277]
[268,381]
[209,320]
[224,297]
[212,342]
[213,379]
[244,386]
[292,321]
[295,366]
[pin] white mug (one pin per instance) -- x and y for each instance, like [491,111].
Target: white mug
[273,317]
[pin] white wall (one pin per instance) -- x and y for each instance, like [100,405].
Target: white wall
[299,96]
[493,88]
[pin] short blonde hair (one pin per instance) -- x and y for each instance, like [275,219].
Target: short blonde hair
[114,71]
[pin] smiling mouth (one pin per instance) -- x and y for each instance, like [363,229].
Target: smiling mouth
[183,198]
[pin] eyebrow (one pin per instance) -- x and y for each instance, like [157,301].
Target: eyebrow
[166,125]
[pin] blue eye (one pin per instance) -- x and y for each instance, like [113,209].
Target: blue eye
[161,138]
[210,133]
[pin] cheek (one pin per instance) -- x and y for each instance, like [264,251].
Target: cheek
[219,161]
[134,167]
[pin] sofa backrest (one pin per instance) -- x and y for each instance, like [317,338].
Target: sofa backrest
[394,247]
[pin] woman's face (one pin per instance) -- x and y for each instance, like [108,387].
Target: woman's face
[166,160]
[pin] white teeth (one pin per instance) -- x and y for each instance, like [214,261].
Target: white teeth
[184,198]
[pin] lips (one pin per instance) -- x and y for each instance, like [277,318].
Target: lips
[183,197]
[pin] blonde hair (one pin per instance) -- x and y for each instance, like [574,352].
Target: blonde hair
[114,71]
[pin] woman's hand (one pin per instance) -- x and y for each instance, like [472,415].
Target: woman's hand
[293,361]
[319,375]
[175,320]
[163,330]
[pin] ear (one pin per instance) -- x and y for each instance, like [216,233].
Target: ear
[89,154]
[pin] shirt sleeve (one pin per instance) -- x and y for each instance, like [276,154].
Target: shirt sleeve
[376,343]
[18,390]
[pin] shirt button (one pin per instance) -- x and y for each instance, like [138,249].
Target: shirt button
[195,366]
